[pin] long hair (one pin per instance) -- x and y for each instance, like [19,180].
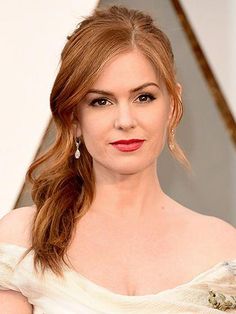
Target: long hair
[62,186]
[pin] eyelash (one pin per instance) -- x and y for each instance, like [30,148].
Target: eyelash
[92,103]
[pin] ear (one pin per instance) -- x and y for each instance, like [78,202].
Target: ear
[76,130]
[76,125]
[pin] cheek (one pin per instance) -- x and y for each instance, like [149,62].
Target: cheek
[157,122]
[94,133]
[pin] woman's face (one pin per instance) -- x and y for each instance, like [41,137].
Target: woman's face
[121,113]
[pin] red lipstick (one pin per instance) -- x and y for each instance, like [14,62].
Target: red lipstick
[128,145]
[133,140]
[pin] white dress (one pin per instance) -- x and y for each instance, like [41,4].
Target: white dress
[77,294]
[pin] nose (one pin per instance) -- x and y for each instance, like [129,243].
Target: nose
[124,118]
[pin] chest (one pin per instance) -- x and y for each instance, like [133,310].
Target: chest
[133,260]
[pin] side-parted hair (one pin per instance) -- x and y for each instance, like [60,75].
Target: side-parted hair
[62,186]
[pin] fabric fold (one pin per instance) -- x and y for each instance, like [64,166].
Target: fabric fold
[77,294]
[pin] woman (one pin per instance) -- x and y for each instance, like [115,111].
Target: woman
[103,237]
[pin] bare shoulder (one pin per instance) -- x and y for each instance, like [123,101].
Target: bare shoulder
[222,234]
[15,226]
[215,235]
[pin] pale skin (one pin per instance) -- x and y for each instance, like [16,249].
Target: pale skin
[122,178]
[132,225]
[135,239]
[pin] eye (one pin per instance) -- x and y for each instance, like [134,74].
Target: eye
[101,102]
[145,96]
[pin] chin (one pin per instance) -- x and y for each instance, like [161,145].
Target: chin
[129,168]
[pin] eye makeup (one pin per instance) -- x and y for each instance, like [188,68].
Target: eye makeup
[100,99]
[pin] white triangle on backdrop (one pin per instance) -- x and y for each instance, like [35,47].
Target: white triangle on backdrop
[33,34]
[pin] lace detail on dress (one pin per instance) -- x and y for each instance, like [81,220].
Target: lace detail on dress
[217,299]
[220,302]
[231,266]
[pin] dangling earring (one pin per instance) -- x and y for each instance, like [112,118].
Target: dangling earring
[172,136]
[77,152]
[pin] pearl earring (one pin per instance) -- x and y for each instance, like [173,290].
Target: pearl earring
[77,152]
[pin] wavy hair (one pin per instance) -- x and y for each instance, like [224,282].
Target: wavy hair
[62,186]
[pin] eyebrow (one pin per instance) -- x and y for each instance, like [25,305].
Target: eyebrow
[103,92]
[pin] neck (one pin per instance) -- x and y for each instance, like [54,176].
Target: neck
[129,196]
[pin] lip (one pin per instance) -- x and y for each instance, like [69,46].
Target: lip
[134,140]
[128,147]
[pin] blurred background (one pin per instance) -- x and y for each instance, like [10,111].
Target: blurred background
[202,33]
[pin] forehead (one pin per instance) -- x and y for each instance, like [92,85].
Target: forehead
[126,70]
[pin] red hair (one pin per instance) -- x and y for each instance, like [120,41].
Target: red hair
[63,187]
